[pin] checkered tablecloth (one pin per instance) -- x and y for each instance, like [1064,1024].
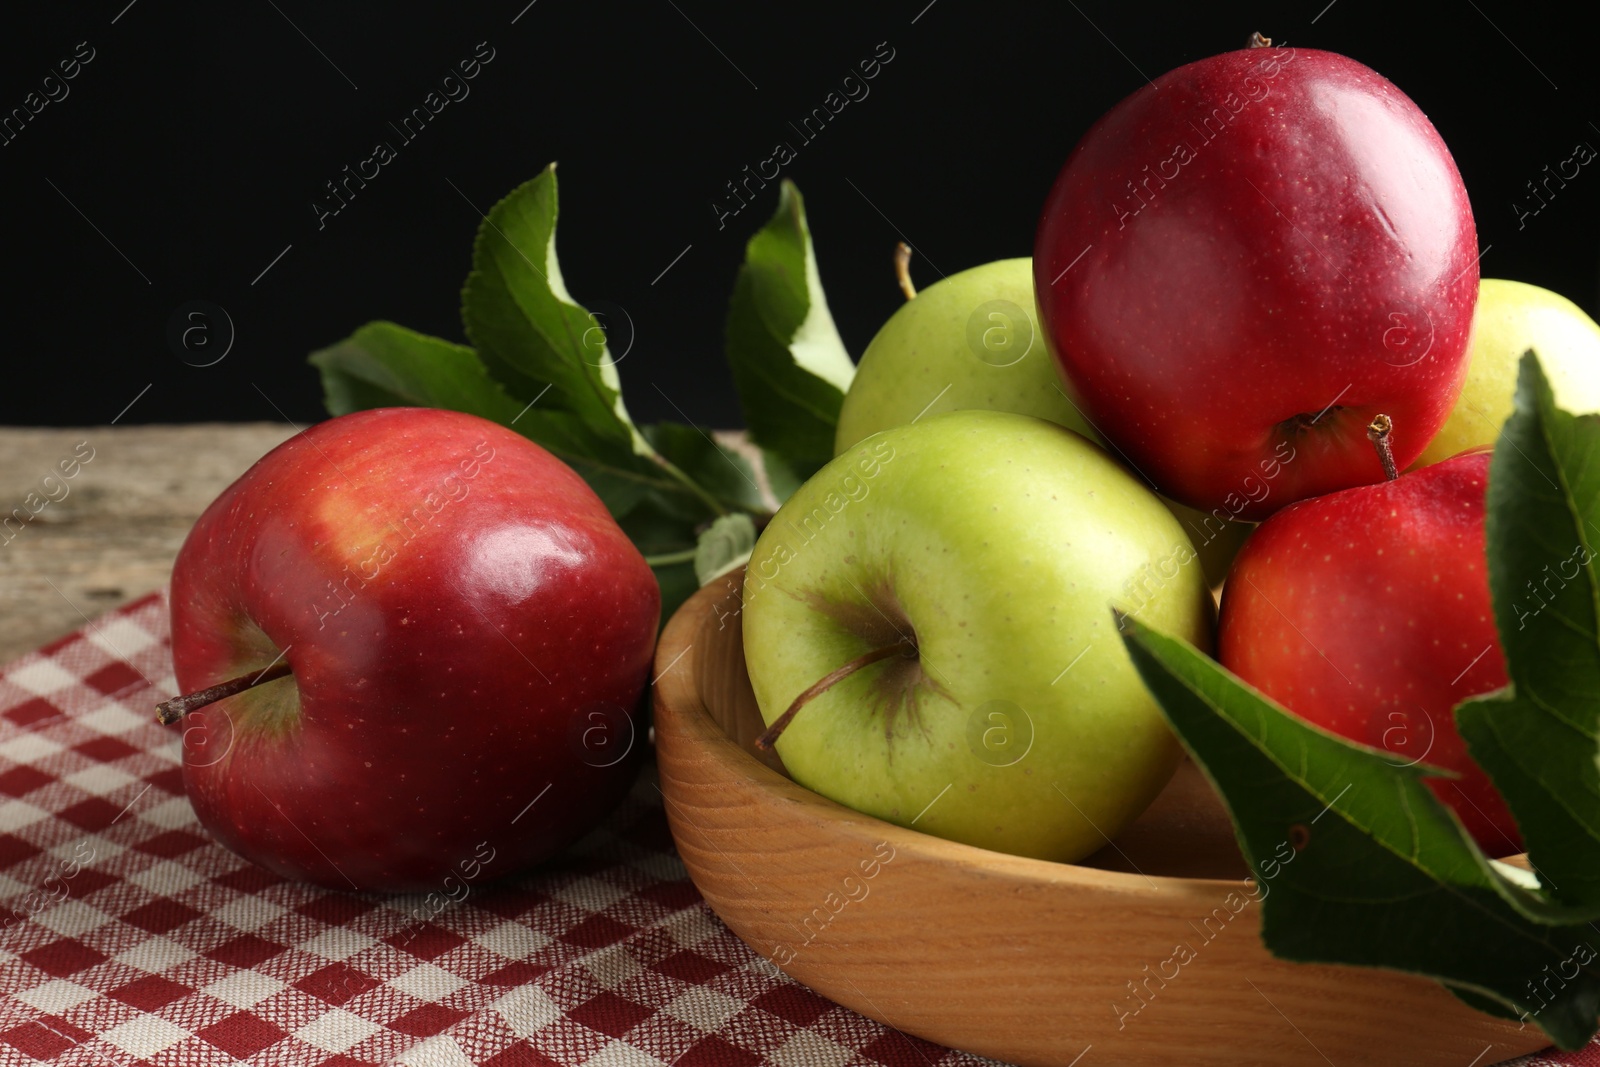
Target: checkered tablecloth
[129,938]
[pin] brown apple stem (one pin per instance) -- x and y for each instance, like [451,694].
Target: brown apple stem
[902,269]
[1378,433]
[170,711]
[1258,41]
[904,646]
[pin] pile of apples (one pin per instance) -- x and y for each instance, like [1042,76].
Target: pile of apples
[410,638]
[1254,292]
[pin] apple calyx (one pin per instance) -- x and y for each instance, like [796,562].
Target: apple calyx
[902,269]
[1258,41]
[905,646]
[1378,431]
[1305,422]
[170,711]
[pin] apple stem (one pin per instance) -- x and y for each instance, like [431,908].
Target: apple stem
[1258,41]
[170,711]
[902,269]
[905,647]
[1378,433]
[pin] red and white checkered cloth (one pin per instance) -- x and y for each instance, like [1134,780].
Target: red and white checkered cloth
[129,938]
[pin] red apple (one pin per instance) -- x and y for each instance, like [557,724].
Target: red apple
[1367,612]
[1245,261]
[467,632]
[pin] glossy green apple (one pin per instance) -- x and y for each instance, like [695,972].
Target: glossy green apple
[970,341]
[1511,318]
[996,545]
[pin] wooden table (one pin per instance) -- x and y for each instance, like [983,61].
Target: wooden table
[109,533]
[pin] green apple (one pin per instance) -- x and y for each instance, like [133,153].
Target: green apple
[972,340]
[1511,318]
[990,548]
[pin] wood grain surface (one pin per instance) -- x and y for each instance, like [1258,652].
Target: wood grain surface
[109,533]
[1026,961]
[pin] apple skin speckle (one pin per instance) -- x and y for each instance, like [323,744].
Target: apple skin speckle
[1317,615]
[995,621]
[1276,257]
[425,667]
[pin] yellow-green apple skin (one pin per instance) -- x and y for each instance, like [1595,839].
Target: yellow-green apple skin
[1511,318]
[972,340]
[997,543]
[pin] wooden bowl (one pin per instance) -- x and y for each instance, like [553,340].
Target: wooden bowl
[1018,959]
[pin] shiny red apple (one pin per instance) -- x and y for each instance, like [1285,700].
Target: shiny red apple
[467,633]
[1245,261]
[1367,612]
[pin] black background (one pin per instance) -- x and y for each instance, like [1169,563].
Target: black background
[197,138]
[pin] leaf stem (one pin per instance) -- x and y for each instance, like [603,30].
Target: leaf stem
[666,558]
[693,486]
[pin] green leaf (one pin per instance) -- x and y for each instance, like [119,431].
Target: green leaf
[1540,738]
[782,479]
[726,545]
[1487,1005]
[546,349]
[720,470]
[664,530]
[789,365]
[385,365]
[532,335]
[1357,863]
